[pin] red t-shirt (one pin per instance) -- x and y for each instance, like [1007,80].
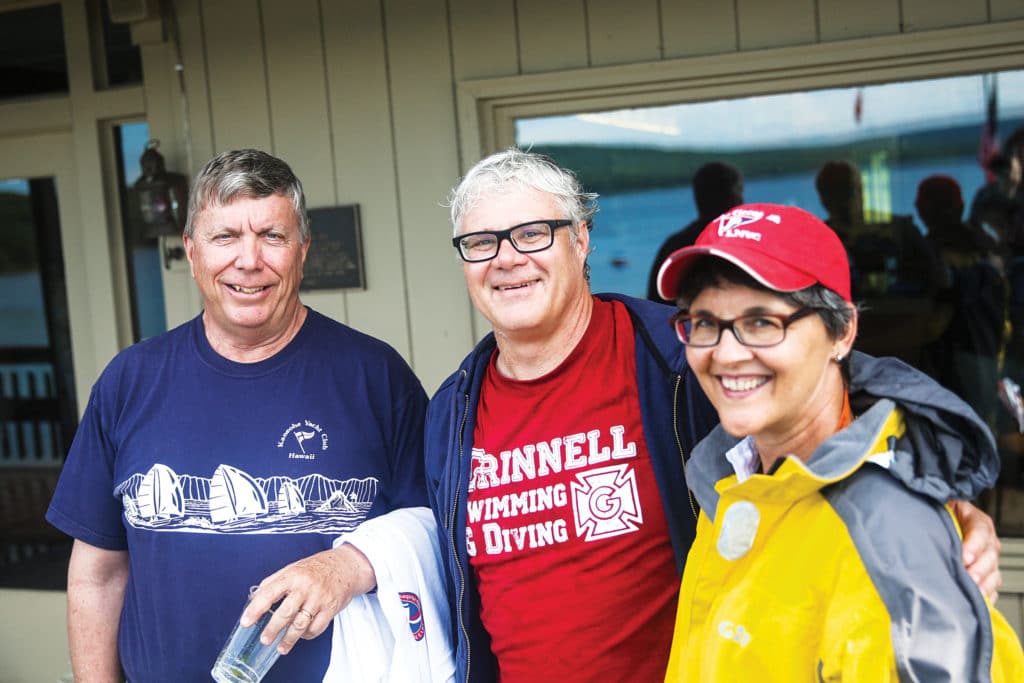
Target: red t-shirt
[566,530]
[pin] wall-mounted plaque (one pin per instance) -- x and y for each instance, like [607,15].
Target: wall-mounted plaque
[335,259]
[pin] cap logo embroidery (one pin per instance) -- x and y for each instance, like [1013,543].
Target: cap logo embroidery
[731,224]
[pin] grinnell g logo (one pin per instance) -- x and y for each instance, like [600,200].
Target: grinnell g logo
[411,602]
[605,503]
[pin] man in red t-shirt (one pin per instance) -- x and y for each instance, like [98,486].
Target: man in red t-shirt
[555,454]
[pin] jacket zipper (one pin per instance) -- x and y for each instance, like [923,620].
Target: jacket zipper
[679,443]
[451,529]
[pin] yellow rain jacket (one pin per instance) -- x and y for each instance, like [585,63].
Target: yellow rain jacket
[848,567]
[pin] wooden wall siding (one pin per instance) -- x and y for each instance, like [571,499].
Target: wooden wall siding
[297,94]
[92,258]
[697,27]
[299,117]
[618,39]
[191,42]
[552,35]
[364,160]
[844,20]
[192,102]
[1011,593]
[484,39]
[922,15]
[779,23]
[1012,607]
[237,75]
[359,96]
[426,162]
[484,42]
[1004,10]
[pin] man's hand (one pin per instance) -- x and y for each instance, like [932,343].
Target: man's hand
[312,591]
[981,548]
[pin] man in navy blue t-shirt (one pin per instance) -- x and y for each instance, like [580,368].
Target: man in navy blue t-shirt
[240,443]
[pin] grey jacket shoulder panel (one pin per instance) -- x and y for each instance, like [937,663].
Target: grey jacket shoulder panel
[947,452]
[911,550]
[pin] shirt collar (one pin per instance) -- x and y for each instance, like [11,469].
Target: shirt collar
[744,459]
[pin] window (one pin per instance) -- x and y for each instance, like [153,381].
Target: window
[38,414]
[32,57]
[876,143]
[142,252]
[642,161]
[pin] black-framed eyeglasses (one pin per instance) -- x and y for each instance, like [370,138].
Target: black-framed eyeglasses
[756,330]
[525,238]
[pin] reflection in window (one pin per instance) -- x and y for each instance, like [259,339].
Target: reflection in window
[36,375]
[935,239]
[32,56]
[38,413]
[142,252]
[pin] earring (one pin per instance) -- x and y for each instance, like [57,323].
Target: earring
[839,358]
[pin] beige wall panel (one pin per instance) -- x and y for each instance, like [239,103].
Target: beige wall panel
[921,15]
[1004,10]
[623,32]
[360,111]
[775,24]
[236,70]
[182,300]
[88,271]
[697,27]
[427,162]
[296,83]
[842,19]
[35,116]
[299,119]
[552,35]
[33,645]
[199,133]
[100,252]
[483,39]
[159,81]
[1011,593]
[483,45]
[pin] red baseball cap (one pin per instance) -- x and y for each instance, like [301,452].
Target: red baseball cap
[782,247]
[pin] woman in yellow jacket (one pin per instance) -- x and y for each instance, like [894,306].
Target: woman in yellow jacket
[825,549]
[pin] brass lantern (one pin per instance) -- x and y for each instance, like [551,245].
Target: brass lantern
[160,197]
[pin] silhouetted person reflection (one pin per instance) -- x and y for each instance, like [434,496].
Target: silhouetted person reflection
[995,204]
[889,258]
[965,357]
[717,187]
[1008,217]
[892,269]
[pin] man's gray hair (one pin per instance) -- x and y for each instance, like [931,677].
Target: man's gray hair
[516,168]
[245,173]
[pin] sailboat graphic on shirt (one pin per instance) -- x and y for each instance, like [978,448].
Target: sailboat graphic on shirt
[160,494]
[234,494]
[232,501]
[290,500]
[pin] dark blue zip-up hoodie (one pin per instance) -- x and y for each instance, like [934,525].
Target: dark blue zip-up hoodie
[676,415]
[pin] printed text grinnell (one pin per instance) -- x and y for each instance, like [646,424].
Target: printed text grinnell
[548,457]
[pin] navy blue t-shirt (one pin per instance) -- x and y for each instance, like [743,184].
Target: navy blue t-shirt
[213,474]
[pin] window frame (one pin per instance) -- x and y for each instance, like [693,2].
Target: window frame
[488,108]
